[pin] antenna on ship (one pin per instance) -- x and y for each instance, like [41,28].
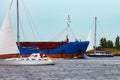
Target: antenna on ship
[18,34]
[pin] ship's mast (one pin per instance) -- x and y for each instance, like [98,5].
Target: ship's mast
[69,28]
[68,23]
[18,35]
[95,34]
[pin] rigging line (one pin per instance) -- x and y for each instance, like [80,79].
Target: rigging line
[29,21]
[73,34]
[36,30]
[59,35]
[22,30]
[100,27]
[63,32]
[11,4]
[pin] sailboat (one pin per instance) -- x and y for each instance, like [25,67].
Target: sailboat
[95,53]
[8,47]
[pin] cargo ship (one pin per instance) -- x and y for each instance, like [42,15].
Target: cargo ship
[61,49]
[55,49]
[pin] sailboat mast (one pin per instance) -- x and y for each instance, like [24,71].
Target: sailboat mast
[18,35]
[95,34]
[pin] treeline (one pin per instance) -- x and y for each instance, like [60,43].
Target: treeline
[104,43]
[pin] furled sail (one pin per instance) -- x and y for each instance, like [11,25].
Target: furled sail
[7,40]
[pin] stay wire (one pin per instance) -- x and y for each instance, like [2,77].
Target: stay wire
[29,19]
[11,4]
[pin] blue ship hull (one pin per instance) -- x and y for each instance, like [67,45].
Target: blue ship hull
[70,50]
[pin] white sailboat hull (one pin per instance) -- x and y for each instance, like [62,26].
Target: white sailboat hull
[25,62]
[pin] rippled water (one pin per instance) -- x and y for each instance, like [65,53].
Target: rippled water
[66,69]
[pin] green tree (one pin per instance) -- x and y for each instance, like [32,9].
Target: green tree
[103,42]
[109,44]
[117,42]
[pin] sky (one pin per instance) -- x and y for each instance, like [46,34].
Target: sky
[46,20]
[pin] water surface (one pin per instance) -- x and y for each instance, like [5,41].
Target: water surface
[66,69]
